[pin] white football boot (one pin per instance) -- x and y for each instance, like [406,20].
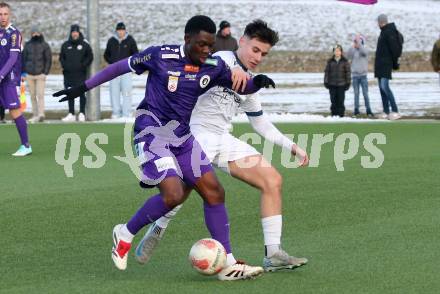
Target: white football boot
[282,260]
[149,242]
[23,151]
[120,249]
[239,271]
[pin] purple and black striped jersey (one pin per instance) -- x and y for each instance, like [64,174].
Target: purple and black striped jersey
[10,41]
[174,84]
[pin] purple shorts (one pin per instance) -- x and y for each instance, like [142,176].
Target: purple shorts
[162,159]
[9,98]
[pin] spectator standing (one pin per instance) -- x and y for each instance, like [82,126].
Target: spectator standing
[337,79]
[2,115]
[435,57]
[358,55]
[120,46]
[388,51]
[36,63]
[75,57]
[223,39]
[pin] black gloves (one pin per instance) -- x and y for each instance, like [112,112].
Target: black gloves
[71,93]
[263,81]
[326,85]
[347,87]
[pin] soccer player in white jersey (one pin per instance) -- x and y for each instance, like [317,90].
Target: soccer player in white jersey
[210,124]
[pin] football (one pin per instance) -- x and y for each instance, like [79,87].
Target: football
[207,256]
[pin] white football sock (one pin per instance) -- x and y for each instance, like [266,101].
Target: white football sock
[230,259]
[125,234]
[164,220]
[272,227]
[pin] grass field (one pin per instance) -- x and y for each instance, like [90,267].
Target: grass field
[363,230]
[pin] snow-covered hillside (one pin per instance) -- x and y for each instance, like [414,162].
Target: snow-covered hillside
[309,25]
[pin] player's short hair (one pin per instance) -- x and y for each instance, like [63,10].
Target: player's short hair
[199,23]
[258,29]
[5,5]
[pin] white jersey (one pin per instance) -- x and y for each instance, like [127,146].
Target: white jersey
[215,108]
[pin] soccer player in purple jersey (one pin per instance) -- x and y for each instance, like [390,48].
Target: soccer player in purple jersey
[172,159]
[10,76]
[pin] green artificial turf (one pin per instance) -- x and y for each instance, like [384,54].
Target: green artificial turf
[363,230]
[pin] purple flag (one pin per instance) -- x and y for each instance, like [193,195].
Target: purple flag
[365,2]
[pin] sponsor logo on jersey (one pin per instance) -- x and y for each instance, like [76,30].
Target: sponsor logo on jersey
[191,68]
[172,83]
[191,77]
[4,42]
[13,40]
[170,56]
[79,47]
[170,49]
[141,59]
[230,94]
[174,73]
[70,47]
[204,81]
[211,61]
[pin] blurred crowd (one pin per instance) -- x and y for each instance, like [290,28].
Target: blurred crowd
[343,70]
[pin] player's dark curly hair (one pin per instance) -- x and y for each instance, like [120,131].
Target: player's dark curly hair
[4,4]
[258,29]
[200,23]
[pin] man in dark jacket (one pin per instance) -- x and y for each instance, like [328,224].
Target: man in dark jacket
[387,55]
[224,40]
[75,57]
[435,57]
[120,46]
[36,63]
[337,80]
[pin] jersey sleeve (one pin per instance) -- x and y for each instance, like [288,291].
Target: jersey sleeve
[224,75]
[16,41]
[252,105]
[144,61]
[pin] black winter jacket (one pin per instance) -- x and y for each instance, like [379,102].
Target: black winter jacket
[228,43]
[37,56]
[75,57]
[117,50]
[386,52]
[337,73]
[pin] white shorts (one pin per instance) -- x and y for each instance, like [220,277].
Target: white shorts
[222,149]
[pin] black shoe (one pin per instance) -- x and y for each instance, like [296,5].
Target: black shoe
[2,121]
[370,114]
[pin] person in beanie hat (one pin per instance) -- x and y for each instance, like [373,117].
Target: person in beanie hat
[388,52]
[224,40]
[121,45]
[337,80]
[75,57]
[36,63]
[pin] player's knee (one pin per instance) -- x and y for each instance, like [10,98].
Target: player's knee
[273,182]
[215,195]
[174,197]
